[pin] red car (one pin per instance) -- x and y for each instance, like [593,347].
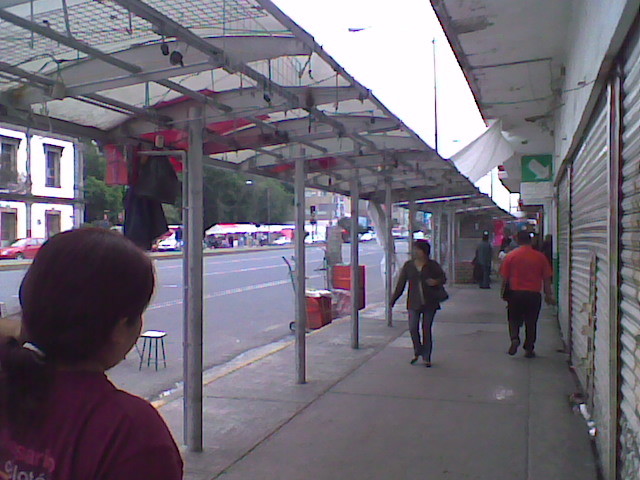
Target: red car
[23,248]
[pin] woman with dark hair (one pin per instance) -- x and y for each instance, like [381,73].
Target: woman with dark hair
[425,278]
[82,303]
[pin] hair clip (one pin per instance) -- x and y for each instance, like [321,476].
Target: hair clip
[34,349]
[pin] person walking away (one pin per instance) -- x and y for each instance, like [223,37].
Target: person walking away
[525,273]
[60,417]
[425,277]
[484,255]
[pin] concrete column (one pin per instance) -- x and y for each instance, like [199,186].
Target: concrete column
[300,290]
[193,291]
[355,262]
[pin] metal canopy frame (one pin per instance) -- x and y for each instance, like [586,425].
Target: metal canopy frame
[239,78]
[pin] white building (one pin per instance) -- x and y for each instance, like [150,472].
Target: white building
[40,185]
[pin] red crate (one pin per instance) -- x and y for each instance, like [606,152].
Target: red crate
[341,279]
[318,310]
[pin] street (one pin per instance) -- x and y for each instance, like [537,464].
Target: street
[248,304]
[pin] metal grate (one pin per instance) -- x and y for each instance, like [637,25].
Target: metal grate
[110,27]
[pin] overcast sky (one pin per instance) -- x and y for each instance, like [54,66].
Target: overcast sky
[392,56]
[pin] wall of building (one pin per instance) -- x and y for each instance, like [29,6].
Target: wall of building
[595,35]
[38,218]
[38,168]
[20,199]
[21,211]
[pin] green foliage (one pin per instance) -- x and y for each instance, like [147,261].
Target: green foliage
[229,199]
[100,198]
[227,196]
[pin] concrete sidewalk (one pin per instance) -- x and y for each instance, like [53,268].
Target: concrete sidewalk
[476,414]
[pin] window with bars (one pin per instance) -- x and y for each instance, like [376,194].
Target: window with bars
[52,164]
[8,161]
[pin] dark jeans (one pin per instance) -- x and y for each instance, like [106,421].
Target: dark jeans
[486,276]
[524,307]
[422,347]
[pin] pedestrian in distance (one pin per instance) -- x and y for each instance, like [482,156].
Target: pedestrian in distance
[426,281]
[525,273]
[483,258]
[60,417]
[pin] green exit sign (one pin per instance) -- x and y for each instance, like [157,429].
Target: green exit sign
[537,168]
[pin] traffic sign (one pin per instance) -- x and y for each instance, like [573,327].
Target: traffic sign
[537,168]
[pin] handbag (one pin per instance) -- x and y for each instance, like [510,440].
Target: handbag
[440,294]
[506,291]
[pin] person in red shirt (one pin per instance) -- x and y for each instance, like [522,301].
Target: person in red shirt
[525,273]
[60,417]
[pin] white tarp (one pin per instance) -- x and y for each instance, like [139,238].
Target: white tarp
[232,228]
[483,154]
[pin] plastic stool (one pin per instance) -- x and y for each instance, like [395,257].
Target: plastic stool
[152,337]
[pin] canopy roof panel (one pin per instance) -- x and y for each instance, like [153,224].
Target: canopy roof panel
[128,71]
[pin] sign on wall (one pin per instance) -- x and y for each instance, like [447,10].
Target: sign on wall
[537,168]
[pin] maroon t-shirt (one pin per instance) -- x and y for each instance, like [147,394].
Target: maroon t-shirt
[93,432]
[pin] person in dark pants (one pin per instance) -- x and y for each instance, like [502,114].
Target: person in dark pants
[525,272]
[424,276]
[484,255]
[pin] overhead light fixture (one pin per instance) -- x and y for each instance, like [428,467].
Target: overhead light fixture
[176,58]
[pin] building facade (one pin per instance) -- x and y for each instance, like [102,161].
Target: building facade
[40,185]
[564,79]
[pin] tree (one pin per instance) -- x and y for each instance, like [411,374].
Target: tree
[100,198]
[228,198]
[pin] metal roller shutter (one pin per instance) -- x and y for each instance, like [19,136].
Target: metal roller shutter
[589,236]
[630,267]
[564,219]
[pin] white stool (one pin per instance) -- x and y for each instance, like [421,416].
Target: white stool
[153,337]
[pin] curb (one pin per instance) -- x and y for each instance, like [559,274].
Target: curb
[244,359]
[8,265]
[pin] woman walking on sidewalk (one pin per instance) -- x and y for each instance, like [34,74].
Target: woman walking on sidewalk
[426,279]
[60,417]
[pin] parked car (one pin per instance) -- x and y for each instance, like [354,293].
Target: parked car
[22,248]
[368,236]
[282,241]
[167,244]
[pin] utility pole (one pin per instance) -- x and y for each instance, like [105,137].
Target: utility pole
[435,97]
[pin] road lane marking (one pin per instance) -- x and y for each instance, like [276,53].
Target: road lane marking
[230,291]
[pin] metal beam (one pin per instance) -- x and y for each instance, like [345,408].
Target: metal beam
[67,41]
[54,125]
[355,262]
[95,53]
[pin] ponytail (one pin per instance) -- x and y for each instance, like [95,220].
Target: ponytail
[25,382]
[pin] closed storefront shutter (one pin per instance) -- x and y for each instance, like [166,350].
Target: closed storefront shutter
[630,267]
[564,218]
[589,289]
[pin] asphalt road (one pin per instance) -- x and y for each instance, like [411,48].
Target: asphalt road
[248,303]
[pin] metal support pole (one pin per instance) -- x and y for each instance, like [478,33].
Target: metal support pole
[301,301]
[193,292]
[78,172]
[451,243]
[437,234]
[355,262]
[412,226]
[78,188]
[388,274]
